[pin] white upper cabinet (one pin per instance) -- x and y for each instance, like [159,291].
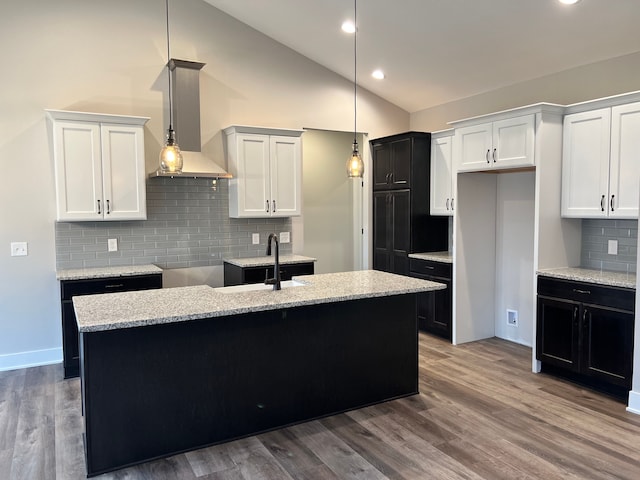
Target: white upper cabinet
[266,165]
[600,164]
[624,168]
[99,166]
[506,143]
[442,176]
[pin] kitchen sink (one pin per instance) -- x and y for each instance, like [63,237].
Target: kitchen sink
[258,287]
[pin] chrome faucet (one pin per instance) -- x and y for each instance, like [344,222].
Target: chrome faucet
[275,281]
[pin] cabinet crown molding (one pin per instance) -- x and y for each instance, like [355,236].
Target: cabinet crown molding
[286,132]
[95,117]
[550,108]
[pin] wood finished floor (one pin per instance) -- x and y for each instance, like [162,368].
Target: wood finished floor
[481,414]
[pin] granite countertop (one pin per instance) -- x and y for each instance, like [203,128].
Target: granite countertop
[442,257]
[106,272]
[151,307]
[599,277]
[268,260]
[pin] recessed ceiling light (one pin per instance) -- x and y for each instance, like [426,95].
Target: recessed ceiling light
[348,27]
[379,74]
[569,2]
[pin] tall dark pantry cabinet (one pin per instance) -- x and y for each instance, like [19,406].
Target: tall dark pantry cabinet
[401,220]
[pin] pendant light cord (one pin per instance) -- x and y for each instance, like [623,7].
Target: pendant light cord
[355,70]
[169,72]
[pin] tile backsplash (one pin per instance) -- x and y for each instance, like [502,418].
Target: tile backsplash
[596,234]
[187,225]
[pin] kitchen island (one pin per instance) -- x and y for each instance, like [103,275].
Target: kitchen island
[165,371]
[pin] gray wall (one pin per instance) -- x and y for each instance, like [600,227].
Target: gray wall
[187,225]
[595,238]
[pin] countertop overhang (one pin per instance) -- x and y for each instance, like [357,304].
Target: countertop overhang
[153,307]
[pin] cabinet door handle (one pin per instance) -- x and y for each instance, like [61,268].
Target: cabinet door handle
[429,267]
[494,154]
[584,318]
[99,208]
[575,316]
[267,206]
[452,204]
[114,285]
[274,206]
[391,177]
[447,204]
[486,155]
[108,208]
[611,203]
[585,292]
[602,203]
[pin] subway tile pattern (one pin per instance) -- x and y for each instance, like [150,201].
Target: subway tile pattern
[596,234]
[187,225]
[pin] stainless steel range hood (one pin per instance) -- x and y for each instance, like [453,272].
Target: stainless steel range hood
[185,79]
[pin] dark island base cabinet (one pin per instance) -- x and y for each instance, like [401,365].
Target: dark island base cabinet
[71,288]
[236,275]
[434,308]
[585,333]
[154,391]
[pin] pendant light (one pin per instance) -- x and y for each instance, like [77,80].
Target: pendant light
[355,165]
[170,156]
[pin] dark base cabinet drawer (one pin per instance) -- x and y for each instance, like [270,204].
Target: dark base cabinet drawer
[71,288]
[585,332]
[236,275]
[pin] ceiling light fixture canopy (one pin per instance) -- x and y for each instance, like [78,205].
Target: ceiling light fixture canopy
[355,165]
[170,155]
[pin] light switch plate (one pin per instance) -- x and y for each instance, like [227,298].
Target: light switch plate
[284,237]
[613,247]
[255,238]
[19,249]
[112,244]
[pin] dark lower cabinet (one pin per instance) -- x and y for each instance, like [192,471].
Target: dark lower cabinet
[236,275]
[434,308]
[71,288]
[586,331]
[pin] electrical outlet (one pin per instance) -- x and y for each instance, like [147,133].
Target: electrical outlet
[284,237]
[512,318]
[255,238]
[19,249]
[112,244]
[613,247]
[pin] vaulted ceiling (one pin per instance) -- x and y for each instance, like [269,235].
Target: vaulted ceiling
[437,51]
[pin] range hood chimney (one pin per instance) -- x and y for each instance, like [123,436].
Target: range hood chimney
[185,79]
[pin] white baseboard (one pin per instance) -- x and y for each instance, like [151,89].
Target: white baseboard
[34,358]
[634,402]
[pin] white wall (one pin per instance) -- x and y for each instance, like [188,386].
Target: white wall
[514,255]
[328,206]
[597,80]
[109,56]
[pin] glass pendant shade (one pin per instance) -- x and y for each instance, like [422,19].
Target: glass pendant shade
[355,165]
[170,156]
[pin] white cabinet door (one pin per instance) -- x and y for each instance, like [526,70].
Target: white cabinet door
[624,169]
[78,171]
[252,176]
[473,147]
[513,142]
[441,201]
[285,176]
[123,172]
[585,164]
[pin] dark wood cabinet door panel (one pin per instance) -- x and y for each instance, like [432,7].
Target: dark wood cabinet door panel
[557,335]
